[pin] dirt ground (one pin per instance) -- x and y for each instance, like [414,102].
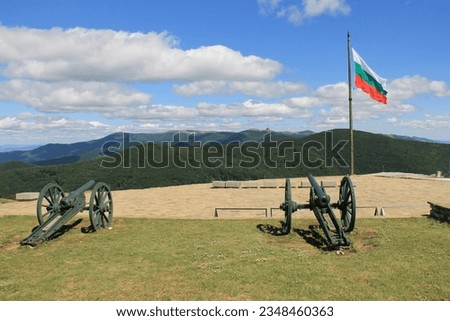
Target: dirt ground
[400,195]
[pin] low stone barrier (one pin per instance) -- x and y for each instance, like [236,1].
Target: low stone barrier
[27,196]
[218,184]
[269,184]
[249,184]
[232,184]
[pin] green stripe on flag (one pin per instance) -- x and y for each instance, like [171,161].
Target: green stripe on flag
[369,79]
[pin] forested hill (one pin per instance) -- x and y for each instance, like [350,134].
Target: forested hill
[163,164]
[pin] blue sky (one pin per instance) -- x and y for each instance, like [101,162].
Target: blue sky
[79,70]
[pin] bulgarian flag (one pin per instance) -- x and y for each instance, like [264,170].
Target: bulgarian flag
[368,81]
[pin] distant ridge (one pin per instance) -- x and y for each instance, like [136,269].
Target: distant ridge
[59,154]
[66,153]
[373,153]
[17,147]
[418,139]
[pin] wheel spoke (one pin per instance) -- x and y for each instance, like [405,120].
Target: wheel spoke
[49,199]
[347,204]
[98,217]
[47,213]
[105,217]
[100,207]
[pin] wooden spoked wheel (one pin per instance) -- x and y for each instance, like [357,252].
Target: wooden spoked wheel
[287,207]
[101,207]
[48,202]
[347,204]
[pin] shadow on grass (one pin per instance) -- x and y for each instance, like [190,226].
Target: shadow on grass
[438,218]
[272,230]
[87,230]
[55,235]
[313,237]
[64,229]
[310,235]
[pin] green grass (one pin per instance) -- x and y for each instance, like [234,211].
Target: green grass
[141,259]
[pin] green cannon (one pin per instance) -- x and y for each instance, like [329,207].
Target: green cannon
[55,209]
[320,204]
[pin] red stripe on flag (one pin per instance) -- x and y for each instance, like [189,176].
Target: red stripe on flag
[371,90]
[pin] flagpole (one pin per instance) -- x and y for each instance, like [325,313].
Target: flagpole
[350,113]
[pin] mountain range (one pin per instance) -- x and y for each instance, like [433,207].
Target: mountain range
[58,154]
[201,161]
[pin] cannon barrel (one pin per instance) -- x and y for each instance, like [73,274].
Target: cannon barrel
[70,199]
[322,198]
[81,189]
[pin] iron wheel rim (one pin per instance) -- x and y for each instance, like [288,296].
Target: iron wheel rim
[347,204]
[101,207]
[49,199]
[288,207]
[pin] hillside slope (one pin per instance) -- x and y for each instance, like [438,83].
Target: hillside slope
[165,165]
[58,154]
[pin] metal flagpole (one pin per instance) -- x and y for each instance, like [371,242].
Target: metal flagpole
[350,114]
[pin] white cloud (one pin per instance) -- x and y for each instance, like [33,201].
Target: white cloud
[332,100]
[107,55]
[154,112]
[71,96]
[267,6]
[292,13]
[39,128]
[252,108]
[328,103]
[303,102]
[314,8]
[426,124]
[430,122]
[84,70]
[408,87]
[44,128]
[335,121]
[250,88]
[296,12]
[8,123]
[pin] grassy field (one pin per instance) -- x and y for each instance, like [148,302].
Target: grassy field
[142,259]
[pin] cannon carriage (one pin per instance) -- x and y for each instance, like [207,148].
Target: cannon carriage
[333,228]
[54,209]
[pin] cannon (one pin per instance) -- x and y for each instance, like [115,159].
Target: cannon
[55,209]
[320,204]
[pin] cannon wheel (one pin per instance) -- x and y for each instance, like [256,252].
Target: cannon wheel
[48,201]
[347,204]
[100,207]
[288,207]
